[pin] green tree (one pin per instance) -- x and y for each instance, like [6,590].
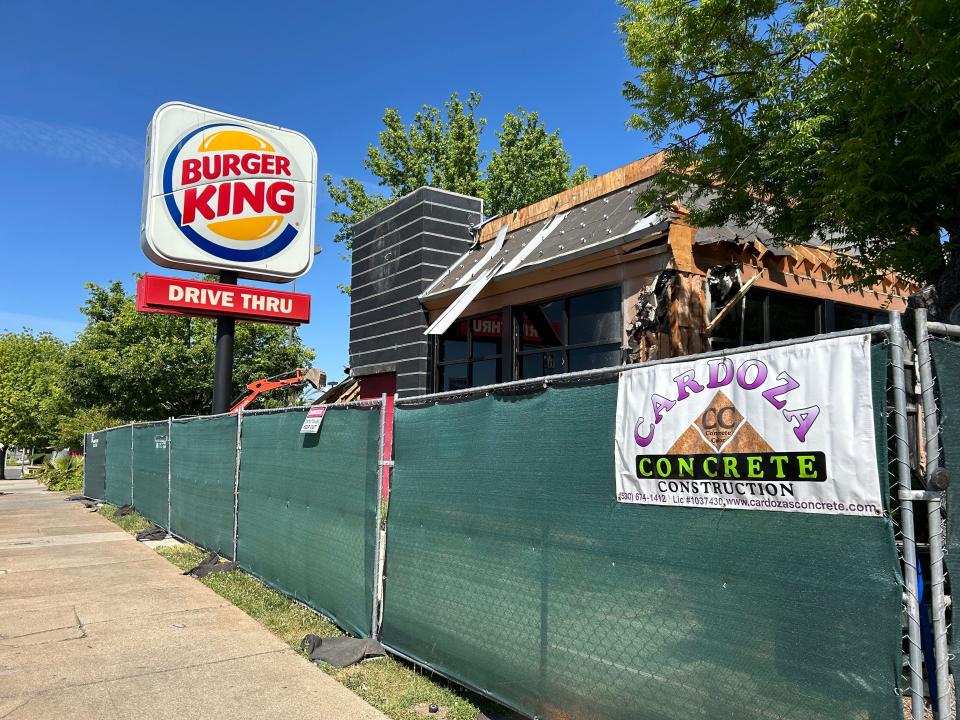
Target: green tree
[77,422]
[836,121]
[31,397]
[525,144]
[441,148]
[139,366]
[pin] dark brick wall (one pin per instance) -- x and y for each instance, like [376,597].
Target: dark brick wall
[397,253]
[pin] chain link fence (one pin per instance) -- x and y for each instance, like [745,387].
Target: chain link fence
[299,511]
[511,569]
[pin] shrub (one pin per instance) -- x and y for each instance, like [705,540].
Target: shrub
[65,473]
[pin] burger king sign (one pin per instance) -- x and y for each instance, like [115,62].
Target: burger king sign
[224,193]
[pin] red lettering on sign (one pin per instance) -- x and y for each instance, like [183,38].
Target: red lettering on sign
[243,194]
[191,171]
[197,200]
[277,202]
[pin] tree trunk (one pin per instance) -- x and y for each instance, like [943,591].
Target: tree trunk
[946,307]
[3,462]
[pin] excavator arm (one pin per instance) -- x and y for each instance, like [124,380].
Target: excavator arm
[300,376]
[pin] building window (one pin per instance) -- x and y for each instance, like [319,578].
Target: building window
[849,317]
[764,317]
[580,332]
[470,353]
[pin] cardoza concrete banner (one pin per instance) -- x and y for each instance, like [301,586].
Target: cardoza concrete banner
[789,429]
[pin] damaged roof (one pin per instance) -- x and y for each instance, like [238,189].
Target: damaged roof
[596,224]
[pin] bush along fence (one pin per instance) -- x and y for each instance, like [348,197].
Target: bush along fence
[728,535]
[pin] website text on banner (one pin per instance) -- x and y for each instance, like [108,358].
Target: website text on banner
[788,429]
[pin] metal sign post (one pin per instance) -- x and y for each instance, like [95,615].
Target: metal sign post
[223,368]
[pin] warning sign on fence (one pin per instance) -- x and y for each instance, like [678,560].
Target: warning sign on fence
[788,429]
[311,423]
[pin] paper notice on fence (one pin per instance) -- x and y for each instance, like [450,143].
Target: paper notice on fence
[788,429]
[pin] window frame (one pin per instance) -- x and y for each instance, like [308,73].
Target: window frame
[469,360]
[565,347]
[825,318]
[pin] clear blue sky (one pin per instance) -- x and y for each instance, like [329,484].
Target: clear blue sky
[81,80]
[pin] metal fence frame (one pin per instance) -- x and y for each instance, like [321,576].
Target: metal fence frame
[935,499]
[892,332]
[899,466]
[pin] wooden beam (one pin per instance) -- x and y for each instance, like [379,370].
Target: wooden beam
[642,169]
[730,305]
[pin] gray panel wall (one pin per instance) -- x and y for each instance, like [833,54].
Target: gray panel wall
[397,253]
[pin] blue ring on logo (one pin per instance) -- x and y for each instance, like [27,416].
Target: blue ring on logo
[226,253]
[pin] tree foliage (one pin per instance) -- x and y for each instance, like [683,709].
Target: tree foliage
[525,144]
[31,395]
[830,120]
[138,366]
[441,148]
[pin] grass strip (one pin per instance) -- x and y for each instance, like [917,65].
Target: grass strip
[397,689]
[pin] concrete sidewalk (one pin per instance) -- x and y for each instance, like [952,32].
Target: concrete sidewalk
[96,625]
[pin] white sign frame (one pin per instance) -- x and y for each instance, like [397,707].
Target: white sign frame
[780,429]
[282,250]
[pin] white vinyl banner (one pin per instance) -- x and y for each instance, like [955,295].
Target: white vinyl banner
[789,429]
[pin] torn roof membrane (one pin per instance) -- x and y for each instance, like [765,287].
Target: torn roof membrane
[596,224]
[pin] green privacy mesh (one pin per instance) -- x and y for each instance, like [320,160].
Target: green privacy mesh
[307,510]
[150,472]
[95,464]
[512,569]
[202,474]
[118,466]
[946,361]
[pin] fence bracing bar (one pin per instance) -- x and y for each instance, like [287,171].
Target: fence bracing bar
[236,481]
[931,432]
[378,551]
[169,474]
[915,654]
[943,329]
[617,369]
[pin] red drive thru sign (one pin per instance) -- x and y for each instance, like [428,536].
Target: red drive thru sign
[177,296]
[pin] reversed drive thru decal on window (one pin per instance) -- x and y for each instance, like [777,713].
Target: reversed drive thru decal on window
[787,429]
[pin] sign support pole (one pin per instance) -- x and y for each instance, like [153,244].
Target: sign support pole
[223,368]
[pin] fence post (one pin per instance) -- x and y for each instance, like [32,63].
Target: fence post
[378,550]
[132,426]
[931,432]
[897,342]
[169,474]
[236,481]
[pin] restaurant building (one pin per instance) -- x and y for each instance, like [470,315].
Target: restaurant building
[445,299]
